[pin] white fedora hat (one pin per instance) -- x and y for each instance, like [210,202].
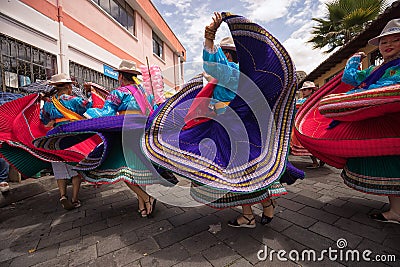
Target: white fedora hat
[391,27]
[227,43]
[59,79]
[308,84]
[128,66]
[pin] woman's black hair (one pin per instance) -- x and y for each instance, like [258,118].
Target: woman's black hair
[233,54]
[127,75]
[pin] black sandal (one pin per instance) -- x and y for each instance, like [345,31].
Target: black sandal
[264,218]
[235,223]
[153,206]
[66,204]
[141,214]
[380,218]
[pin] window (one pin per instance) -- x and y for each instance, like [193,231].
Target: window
[157,45]
[121,11]
[22,64]
[82,74]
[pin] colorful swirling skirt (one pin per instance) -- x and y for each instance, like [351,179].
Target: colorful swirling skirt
[245,149]
[117,158]
[19,125]
[363,140]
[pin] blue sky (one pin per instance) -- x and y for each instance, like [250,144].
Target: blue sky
[288,20]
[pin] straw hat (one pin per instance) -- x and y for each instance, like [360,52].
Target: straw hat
[128,66]
[391,27]
[227,43]
[307,85]
[59,79]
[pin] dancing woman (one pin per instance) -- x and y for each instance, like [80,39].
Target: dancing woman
[230,137]
[354,125]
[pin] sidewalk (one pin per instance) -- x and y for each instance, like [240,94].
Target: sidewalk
[106,230]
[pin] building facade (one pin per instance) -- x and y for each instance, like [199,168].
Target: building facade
[337,61]
[86,39]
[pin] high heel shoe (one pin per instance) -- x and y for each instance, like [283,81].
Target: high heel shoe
[264,218]
[153,206]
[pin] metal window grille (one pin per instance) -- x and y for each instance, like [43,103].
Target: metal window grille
[82,74]
[22,64]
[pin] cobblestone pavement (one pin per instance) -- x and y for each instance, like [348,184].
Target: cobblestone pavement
[107,231]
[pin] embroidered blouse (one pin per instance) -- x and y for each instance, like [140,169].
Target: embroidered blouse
[227,73]
[74,103]
[119,99]
[353,76]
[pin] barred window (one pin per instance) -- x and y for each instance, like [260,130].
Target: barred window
[121,11]
[157,45]
[82,74]
[22,64]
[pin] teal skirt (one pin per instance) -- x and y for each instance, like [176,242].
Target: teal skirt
[374,175]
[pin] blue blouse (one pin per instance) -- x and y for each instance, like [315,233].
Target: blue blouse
[353,76]
[75,103]
[227,73]
[119,99]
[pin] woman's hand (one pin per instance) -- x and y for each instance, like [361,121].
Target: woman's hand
[362,55]
[217,20]
[207,76]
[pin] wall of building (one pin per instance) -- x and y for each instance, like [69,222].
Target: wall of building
[87,35]
[339,67]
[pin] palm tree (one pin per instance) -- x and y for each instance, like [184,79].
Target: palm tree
[345,19]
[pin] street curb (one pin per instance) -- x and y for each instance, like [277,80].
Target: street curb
[27,188]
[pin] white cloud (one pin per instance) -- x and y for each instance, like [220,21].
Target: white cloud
[179,4]
[267,10]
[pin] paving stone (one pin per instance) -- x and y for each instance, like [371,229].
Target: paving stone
[339,211]
[194,261]
[221,255]
[307,238]
[61,227]
[132,253]
[60,261]
[290,204]
[297,218]
[82,256]
[319,214]
[246,246]
[70,246]
[242,262]
[335,234]
[95,227]
[357,207]
[115,242]
[184,218]
[361,230]
[367,202]
[153,229]
[379,249]
[179,233]
[309,200]
[87,220]
[9,253]
[179,236]
[278,224]
[29,259]
[197,243]
[166,257]
[58,238]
